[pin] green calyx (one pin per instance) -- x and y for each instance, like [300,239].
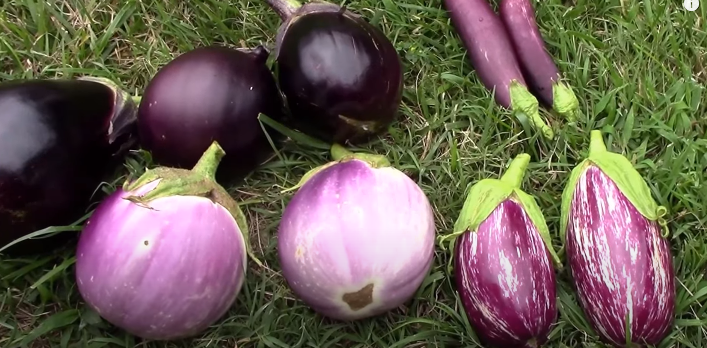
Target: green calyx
[200,181]
[565,102]
[340,154]
[487,194]
[524,101]
[620,170]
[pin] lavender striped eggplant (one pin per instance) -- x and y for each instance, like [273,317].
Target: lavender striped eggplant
[617,251]
[503,262]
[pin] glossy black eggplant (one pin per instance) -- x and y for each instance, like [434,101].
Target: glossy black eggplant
[341,76]
[211,93]
[59,140]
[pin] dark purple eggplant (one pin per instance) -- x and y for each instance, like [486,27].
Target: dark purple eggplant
[538,67]
[619,258]
[493,58]
[341,76]
[60,140]
[503,262]
[211,94]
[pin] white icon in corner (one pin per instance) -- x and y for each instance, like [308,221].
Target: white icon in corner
[691,5]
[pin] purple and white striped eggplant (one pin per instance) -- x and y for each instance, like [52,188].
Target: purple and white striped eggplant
[503,262]
[619,258]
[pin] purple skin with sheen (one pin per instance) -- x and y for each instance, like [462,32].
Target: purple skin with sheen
[162,273]
[355,241]
[506,280]
[489,46]
[620,263]
[536,63]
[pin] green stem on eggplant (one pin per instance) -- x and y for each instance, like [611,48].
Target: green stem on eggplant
[524,101]
[516,171]
[284,8]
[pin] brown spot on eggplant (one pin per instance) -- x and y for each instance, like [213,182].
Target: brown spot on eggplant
[360,299]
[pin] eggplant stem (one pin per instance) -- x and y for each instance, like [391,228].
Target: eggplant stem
[516,170]
[525,102]
[208,163]
[596,143]
[284,8]
[339,152]
[136,99]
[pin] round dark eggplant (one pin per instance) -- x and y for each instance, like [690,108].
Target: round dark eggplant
[341,76]
[60,140]
[211,93]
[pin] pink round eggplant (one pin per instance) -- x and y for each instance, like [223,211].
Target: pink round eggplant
[336,235]
[620,262]
[503,263]
[165,258]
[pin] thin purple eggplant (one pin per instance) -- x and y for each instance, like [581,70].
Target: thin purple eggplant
[537,64]
[492,55]
[617,251]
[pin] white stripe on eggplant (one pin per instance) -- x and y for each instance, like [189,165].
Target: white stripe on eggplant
[506,278]
[620,263]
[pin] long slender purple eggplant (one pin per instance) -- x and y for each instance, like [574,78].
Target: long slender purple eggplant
[538,67]
[503,262]
[492,56]
[617,251]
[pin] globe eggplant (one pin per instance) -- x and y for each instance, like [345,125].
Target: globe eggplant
[503,262]
[211,93]
[335,237]
[341,76]
[165,256]
[492,56]
[538,67]
[615,243]
[60,140]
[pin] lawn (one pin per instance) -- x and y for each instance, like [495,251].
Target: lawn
[637,67]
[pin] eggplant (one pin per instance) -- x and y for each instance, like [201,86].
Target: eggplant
[60,140]
[536,63]
[211,94]
[619,258]
[504,262]
[492,55]
[341,77]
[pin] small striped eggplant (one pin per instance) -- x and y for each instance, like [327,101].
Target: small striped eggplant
[503,262]
[619,258]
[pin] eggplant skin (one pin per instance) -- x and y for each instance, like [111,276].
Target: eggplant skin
[342,78]
[620,263]
[505,278]
[211,93]
[489,46]
[537,65]
[59,139]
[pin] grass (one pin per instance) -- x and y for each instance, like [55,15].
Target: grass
[638,68]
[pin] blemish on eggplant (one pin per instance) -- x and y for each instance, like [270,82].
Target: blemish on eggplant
[359,299]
